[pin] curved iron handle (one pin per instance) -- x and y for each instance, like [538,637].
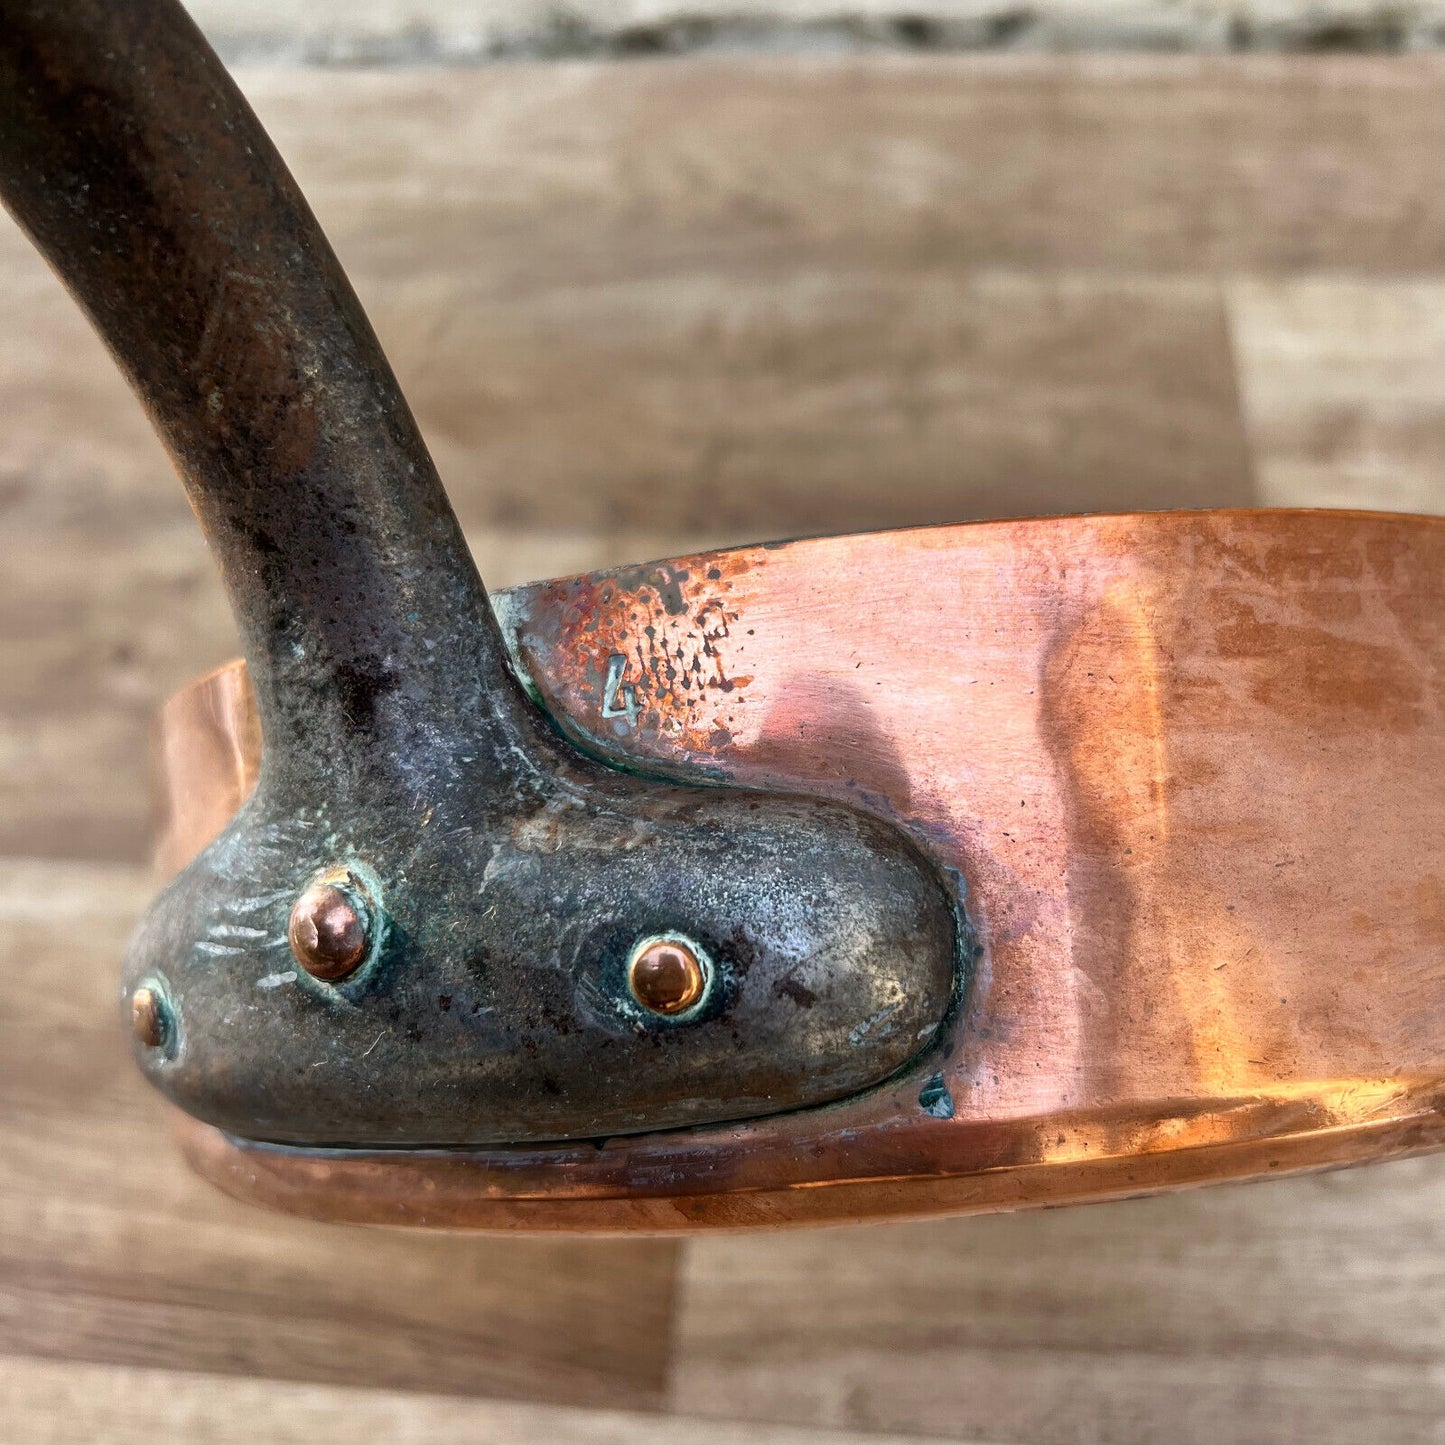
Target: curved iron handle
[139,171]
[474,906]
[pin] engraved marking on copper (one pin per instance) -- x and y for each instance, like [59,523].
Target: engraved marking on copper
[615,687]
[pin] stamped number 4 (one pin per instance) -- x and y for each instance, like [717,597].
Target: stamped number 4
[619,699]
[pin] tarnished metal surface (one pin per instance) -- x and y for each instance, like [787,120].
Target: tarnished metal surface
[1183,768]
[508,877]
[1188,764]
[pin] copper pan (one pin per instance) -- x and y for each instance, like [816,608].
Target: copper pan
[1186,764]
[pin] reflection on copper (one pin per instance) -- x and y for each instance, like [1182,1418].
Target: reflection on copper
[147,1018]
[206,746]
[329,927]
[1186,766]
[666,976]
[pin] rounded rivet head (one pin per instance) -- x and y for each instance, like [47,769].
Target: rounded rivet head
[149,1021]
[666,975]
[330,928]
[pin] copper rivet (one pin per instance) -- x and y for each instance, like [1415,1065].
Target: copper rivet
[148,1017]
[328,930]
[666,977]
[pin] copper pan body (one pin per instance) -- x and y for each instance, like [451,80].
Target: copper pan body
[1188,766]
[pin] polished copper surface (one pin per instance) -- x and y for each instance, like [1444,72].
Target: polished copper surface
[206,751]
[666,976]
[1187,766]
[148,1017]
[328,928]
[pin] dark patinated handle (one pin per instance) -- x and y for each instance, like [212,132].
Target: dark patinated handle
[435,922]
[142,175]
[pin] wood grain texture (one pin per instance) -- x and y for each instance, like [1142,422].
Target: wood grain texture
[48,1403]
[110,1251]
[1343,380]
[395,31]
[643,309]
[1304,1309]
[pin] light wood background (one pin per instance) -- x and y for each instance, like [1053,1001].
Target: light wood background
[375,32]
[640,307]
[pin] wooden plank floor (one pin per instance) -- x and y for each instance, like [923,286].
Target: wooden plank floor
[50,1403]
[640,308]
